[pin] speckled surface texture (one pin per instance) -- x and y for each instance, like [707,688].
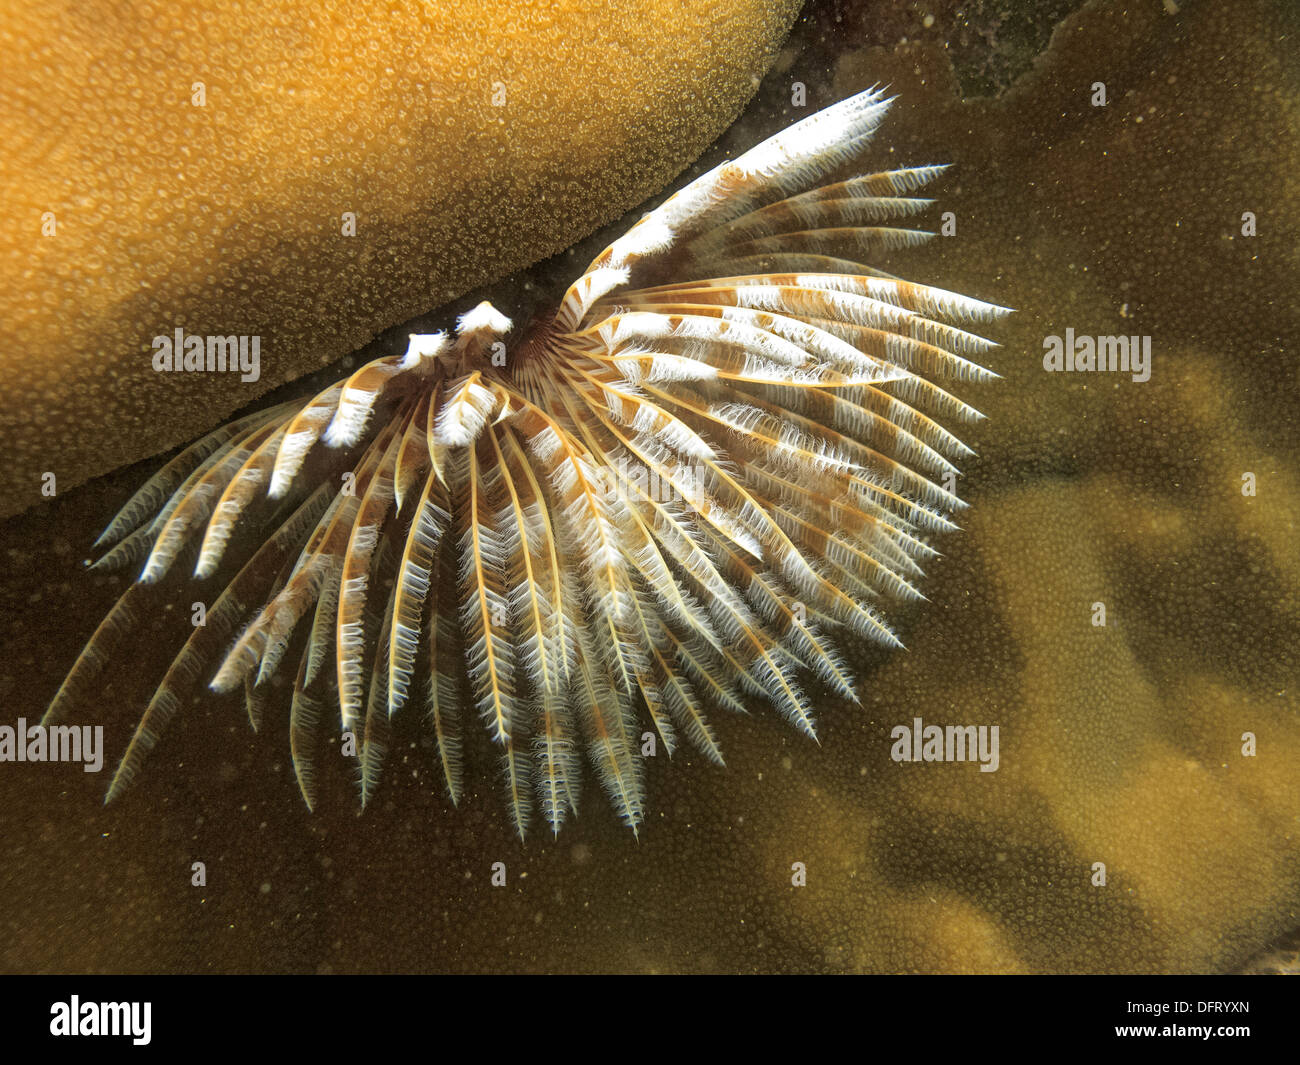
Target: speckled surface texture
[462,142]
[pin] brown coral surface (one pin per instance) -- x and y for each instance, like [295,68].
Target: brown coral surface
[308,176]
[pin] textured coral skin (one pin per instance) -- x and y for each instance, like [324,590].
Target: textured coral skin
[1120,744]
[468,140]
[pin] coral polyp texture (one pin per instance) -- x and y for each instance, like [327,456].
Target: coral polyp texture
[726,449]
[311,174]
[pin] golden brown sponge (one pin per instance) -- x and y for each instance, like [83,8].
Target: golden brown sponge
[309,177]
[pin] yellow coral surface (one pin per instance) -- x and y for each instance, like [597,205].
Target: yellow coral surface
[309,174]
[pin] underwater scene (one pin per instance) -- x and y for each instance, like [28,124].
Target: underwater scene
[650,487]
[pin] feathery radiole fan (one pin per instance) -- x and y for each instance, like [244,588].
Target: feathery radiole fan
[724,447]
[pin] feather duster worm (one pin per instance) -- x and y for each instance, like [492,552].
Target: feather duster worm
[725,448]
